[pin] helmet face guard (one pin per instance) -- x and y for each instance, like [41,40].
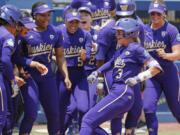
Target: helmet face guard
[129,26]
[10,14]
[125,7]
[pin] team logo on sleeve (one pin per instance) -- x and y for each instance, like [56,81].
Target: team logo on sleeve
[178,37]
[95,37]
[10,42]
[106,4]
[2,14]
[31,37]
[127,53]
[163,33]
[51,37]
[81,40]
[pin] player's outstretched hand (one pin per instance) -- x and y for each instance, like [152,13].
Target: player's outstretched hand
[92,77]
[131,81]
[15,89]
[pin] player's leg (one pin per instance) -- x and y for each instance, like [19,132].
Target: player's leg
[81,97]
[71,117]
[120,100]
[30,95]
[134,113]
[172,91]
[150,98]
[49,98]
[64,98]
[116,125]
[3,104]
[8,128]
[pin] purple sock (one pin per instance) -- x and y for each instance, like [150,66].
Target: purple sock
[152,123]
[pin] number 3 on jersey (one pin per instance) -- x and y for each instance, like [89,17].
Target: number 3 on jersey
[120,71]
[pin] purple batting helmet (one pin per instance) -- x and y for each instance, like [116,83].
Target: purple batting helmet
[28,22]
[10,14]
[125,7]
[129,26]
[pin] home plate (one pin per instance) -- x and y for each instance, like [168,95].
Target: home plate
[41,130]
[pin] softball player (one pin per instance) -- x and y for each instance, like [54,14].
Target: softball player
[127,62]
[106,48]
[90,65]
[27,24]
[102,10]
[162,41]
[9,18]
[38,45]
[77,49]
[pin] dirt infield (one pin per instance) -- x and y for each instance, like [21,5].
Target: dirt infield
[169,127]
[164,129]
[162,126]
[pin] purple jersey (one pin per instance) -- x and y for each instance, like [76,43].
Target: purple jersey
[7,47]
[162,38]
[127,62]
[38,46]
[100,9]
[91,64]
[107,42]
[73,43]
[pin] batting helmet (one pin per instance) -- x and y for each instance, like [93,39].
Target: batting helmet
[129,26]
[125,7]
[10,14]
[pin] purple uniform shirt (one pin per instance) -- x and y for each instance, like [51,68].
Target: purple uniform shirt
[100,9]
[127,62]
[91,64]
[38,46]
[73,43]
[6,50]
[162,38]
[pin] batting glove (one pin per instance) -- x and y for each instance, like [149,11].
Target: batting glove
[132,81]
[92,77]
[15,89]
[100,86]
